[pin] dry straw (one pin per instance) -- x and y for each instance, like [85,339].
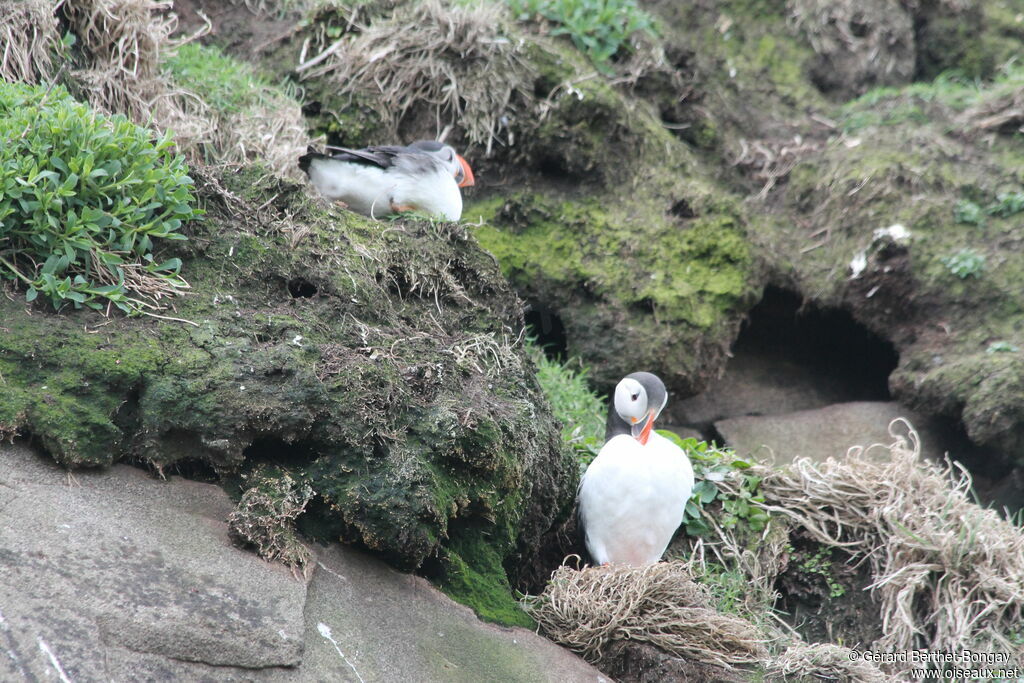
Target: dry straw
[658,604]
[28,39]
[822,662]
[949,574]
[121,48]
[452,62]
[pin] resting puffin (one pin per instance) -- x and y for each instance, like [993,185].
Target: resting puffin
[377,181]
[633,496]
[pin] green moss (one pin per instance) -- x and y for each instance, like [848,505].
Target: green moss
[690,275]
[474,576]
[368,394]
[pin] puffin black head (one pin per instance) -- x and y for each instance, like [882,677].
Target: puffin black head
[639,399]
[459,166]
[306,159]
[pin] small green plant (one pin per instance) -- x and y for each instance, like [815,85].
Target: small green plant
[713,469]
[581,411]
[820,563]
[1007,204]
[965,263]
[1002,347]
[966,211]
[84,199]
[600,28]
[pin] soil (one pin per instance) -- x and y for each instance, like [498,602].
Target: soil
[823,595]
[234,27]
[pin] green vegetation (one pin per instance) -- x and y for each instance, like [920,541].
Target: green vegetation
[819,564]
[720,476]
[1006,204]
[581,411]
[601,29]
[225,83]
[1002,347]
[966,211]
[84,200]
[965,263]
[916,103]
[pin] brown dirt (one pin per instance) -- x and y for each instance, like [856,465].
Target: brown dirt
[234,27]
[805,599]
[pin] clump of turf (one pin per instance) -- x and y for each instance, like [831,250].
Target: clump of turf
[265,516]
[449,63]
[949,574]
[658,604]
[248,118]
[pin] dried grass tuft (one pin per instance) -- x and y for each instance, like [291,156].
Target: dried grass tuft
[265,517]
[122,42]
[29,38]
[949,574]
[823,661]
[273,133]
[863,43]
[1003,115]
[658,604]
[450,61]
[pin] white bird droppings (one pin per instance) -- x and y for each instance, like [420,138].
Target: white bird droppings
[53,660]
[895,232]
[858,264]
[325,631]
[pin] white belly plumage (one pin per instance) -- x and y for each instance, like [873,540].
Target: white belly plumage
[371,191]
[632,499]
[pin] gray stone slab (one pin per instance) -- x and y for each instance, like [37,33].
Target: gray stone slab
[755,384]
[365,617]
[116,576]
[823,432]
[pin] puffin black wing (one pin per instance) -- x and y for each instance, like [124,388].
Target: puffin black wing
[383,156]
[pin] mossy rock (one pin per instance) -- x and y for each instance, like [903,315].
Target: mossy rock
[634,287]
[948,184]
[373,362]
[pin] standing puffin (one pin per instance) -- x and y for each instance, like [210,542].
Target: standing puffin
[377,181]
[633,496]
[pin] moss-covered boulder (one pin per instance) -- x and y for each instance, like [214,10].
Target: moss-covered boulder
[909,215]
[376,364]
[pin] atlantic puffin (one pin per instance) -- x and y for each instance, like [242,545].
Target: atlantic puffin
[376,181]
[633,496]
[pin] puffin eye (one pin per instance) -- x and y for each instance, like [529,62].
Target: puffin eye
[634,397]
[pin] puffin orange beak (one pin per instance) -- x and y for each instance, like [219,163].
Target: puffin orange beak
[642,433]
[467,172]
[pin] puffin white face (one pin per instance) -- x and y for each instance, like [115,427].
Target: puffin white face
[459,166]
[631,401]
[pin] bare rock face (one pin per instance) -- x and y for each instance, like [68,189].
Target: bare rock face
[117,576]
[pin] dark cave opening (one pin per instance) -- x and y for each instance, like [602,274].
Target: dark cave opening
[272,450]
[301,288]
[827,341]
[546,327]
